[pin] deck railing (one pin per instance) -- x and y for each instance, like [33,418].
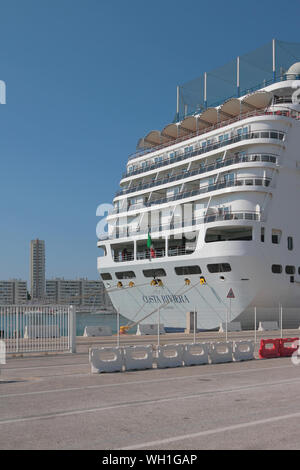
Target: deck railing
[255,181]
[217,145]
[128,231]
[265,112]
[233,160]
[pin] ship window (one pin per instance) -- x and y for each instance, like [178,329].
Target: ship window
[188,149]
[125,275]
[222,234]
[276,268]
[290,243]
[274,135]
[183,270]
[290,269]
[219,268]
[154,272]
[276,236]
[262,234]
[106,276]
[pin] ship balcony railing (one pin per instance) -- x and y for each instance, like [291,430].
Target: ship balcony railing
[119,257]
[287,113]
[264,134]
[224,184]
[158,253]
[282,99]
[233,160]
[180,251]
[219,216]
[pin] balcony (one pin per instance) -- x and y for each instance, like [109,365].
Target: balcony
[286,113]
[257,181]
[272,134]
[159,253]
[218,217]
[233,160]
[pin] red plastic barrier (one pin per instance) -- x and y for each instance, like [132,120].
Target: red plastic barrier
[269,353]
[287,351]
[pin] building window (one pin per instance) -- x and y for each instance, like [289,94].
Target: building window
[183,270]
[290,243]
[290,269]
[106,276]
[154,272]
[125,275]
[219,268]
[262,234]
[276,268]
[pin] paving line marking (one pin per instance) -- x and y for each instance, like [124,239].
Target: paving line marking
[60,414]
[234,427]
[136,382]
[45,367]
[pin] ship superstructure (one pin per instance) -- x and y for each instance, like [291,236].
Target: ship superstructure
[208,204]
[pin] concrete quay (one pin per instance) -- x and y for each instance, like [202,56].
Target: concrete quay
[54,402]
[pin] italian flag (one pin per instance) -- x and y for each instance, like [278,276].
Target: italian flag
[150,246]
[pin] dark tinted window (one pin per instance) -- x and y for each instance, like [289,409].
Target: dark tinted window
[106,276]
[290,269]
[219,268]
[183,270]
[290,243]
[125,275]
[276,268]
[154,272]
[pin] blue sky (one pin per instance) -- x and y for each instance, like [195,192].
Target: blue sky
[85,80]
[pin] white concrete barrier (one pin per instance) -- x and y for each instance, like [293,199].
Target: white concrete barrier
[97,331]
[243,350]
[2,352]
[138,357]
[195,354]
[150,329]
[268,326]
[41,331]
[232,326]
[220,352]
[169,355]
[106,360]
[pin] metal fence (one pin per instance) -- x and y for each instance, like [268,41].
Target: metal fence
[32,328]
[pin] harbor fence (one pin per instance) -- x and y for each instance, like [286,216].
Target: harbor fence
[38,328]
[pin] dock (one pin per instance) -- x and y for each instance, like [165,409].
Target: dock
[54,402]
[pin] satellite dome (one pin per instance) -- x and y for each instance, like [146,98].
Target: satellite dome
[294,71]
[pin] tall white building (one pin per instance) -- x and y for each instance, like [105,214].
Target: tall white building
[37,269]
[13,292]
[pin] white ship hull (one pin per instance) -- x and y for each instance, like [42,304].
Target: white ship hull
[259,289]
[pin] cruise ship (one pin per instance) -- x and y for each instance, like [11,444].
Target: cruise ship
[207,215]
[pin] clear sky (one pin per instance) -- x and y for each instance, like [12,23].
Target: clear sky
[85,80]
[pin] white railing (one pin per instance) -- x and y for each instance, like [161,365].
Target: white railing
[43,328]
